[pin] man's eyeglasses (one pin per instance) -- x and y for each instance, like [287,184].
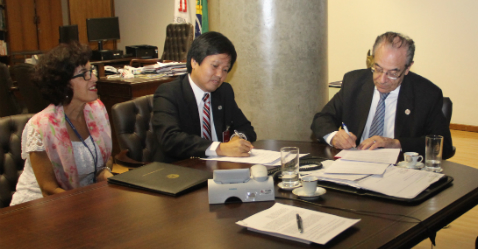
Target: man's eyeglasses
[393,75]
[87,74]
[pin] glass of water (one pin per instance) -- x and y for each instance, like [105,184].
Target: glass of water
[290,166]
[433,153]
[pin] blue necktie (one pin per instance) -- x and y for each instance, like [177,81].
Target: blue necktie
[378,120]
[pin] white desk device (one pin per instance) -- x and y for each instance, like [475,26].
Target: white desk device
[247,185]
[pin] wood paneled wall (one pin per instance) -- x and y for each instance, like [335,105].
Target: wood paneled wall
[23,32]
[80,10]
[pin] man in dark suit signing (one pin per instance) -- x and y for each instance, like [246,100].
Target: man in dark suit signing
[196,112]
[385,106]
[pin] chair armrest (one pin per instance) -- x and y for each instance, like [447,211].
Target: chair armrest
[123,159]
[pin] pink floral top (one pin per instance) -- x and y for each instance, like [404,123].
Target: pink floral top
[51,125]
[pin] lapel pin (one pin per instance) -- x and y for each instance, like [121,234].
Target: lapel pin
[219,107]
[407,111]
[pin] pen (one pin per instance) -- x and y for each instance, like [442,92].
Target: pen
[239,135]
[345,128]
[300,226]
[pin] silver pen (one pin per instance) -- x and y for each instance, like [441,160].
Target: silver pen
[300,225]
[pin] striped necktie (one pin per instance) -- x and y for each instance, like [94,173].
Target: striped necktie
[206,117]
[378,120]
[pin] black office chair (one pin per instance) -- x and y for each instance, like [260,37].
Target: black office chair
[447,110]
[11,162]
[132,125]
[8,103]
[32,96]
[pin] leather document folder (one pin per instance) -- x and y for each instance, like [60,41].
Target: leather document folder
[163,178]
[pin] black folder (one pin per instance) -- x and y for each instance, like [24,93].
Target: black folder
[163,178]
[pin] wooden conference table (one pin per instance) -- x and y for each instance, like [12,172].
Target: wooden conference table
[110,216]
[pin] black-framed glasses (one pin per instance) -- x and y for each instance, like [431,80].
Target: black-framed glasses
[393,75]
[87,74]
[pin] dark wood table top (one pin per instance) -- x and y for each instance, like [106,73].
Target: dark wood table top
[110,216]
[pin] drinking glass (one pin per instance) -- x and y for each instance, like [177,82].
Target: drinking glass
[433,152]
[290,166]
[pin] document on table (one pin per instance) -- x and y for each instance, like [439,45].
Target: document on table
[400,182]
[341,166]
[280,221]
[257,156]
[396,182]
[388,156]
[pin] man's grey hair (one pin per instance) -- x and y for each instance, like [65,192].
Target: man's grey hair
[397,40]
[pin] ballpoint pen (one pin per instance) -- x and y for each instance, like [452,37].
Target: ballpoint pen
[240,135]
[345,128]
[300,226]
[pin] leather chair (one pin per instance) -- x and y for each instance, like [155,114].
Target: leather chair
[31,94]
[11,162]
[132,125]
[447,110]
[179,38]
[8,103]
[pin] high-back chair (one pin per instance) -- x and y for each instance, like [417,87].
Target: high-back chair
[179,38]
[32,96]
[8,103]
[11,162]
[447,110]
[132,125]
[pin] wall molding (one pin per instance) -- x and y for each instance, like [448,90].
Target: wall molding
[462,127]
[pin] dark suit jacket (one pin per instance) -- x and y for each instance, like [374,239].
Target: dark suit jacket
[176,122]
[421,97]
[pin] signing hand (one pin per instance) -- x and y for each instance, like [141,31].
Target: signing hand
[342,140]
[375,142]
[236,147]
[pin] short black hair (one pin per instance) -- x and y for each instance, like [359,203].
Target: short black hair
[210,43]
[56,68]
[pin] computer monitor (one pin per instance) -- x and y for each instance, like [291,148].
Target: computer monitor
[68,33]
[102,29]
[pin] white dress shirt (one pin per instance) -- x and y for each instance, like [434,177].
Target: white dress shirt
[199,94]
[389,120]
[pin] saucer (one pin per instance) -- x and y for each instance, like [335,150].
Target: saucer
[404,164]
[281,186]
[301,194]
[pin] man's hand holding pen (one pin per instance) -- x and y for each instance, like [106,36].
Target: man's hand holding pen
[236,147]
[342,140]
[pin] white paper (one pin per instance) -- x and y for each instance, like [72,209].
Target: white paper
[280,220]
[400,182]
[387,155]
[257,156]
[341,166]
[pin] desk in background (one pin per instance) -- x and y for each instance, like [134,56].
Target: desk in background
[113,91]
[112,216]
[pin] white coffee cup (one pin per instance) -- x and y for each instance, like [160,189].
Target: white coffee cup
[309,183]
[412,158]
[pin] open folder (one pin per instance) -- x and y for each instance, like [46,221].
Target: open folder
[164,178]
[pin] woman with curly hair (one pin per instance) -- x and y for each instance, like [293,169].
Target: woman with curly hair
[68,144]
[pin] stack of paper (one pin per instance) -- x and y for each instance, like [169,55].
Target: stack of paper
[257,156]
[169,69]
[374,171]
[280,220]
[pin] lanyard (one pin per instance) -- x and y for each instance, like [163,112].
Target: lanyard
[95,159]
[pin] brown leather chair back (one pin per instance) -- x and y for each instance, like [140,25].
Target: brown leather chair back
[132,124]
[179,38]
[11,162]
